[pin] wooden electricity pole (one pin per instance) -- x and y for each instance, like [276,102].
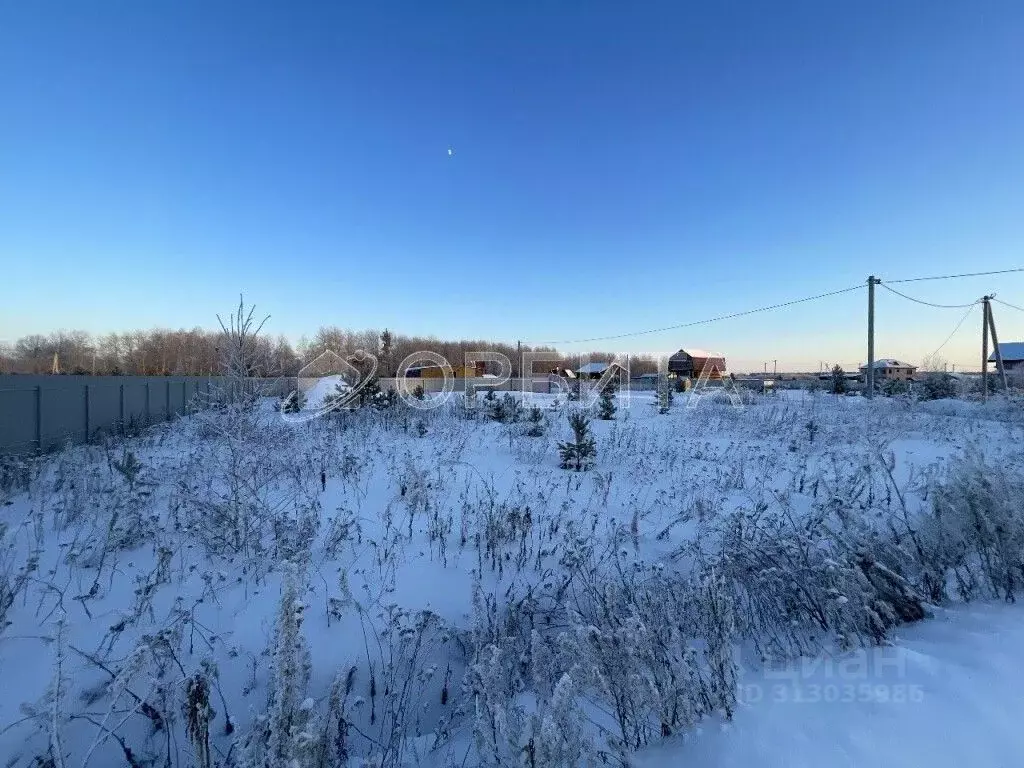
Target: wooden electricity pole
[984,347]
[869,378]
[995,343]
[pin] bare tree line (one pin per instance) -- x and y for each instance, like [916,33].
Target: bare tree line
[198,352]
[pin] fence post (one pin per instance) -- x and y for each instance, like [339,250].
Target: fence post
[168,400]
[86,390]
[120,409]
[39,418]
[184,397]
[148,415]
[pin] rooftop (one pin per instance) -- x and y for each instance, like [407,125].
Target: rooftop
[890,362]
[1010,350]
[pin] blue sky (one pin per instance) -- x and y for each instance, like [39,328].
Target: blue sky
[616,167]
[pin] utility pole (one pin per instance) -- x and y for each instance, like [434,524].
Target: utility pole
[519,360]
[775,367]
[995,343]
[870,376]
[984,347]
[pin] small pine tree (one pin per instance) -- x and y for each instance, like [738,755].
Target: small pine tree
[293,402]
[606,405]
[535,422]
[418,392]
[371,392]
[664,395]
[386,345]
[838,380]
[581,452]
[505,409]
[421,428]
[575,393]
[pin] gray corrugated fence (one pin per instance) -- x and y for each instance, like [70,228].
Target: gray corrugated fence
[38,413]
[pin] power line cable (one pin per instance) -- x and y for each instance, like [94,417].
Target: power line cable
[952,277]
[1008,304]
[957,328]
[796,301]
[927,303]
[702,322]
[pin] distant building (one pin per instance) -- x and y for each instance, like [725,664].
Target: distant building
[433,371]
[597,370]
[1013,355]
[690,363]
[890,368]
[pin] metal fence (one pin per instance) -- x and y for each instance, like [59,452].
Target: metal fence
[38,413]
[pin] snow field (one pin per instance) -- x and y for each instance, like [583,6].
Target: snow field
[388,587]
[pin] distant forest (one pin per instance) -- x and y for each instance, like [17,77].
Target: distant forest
[162,352]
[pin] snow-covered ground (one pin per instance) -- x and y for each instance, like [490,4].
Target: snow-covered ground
[947,693]
[432,588]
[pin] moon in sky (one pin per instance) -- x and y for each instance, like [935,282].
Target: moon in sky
[450,151]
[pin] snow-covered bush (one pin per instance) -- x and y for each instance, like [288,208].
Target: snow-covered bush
[937,385]
[797,582]
[971,538]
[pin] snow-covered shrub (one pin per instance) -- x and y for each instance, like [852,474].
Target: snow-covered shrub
[245,490]
[499,723]
[797,584]
[972,536]
[636,642]
[16,474]
[895,388]
[937,385]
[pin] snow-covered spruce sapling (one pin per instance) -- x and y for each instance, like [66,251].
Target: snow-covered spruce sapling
[579,454]
[575,393]
[606,405]
[293,402]
[838,380]
[505,410]
[535,422]
[421,428]
[337,399]
[664,395]
[418,392]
